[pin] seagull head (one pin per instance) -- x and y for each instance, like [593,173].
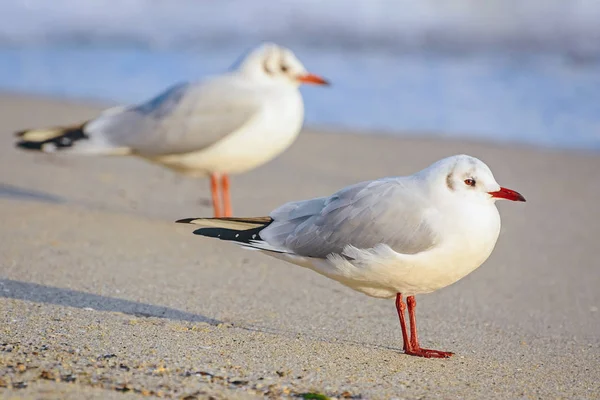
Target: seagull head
[468,179]
[270,62]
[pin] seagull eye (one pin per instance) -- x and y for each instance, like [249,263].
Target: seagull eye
[284,68]
[470,182]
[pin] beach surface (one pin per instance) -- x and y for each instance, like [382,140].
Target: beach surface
[103,296]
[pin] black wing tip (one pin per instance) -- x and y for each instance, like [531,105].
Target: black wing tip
[27,145]
[65,138]
[245,236]
[199,231]
[217,233]
[186,220]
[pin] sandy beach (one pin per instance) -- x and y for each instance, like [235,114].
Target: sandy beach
[103,296]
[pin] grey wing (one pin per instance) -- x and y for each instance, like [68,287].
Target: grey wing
[187,117]
[364,215]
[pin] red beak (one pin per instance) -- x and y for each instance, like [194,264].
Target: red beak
[507,194]
[312,79]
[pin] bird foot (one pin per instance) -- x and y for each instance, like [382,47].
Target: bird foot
[428,353]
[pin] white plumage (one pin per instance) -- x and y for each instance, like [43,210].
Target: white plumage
[224,124]
[388,237]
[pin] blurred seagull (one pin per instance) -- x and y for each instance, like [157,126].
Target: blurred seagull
[388,237]
[225,124]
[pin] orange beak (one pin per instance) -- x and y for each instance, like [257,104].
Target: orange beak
[312,79]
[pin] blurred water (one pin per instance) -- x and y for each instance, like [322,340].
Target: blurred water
[569,26]
[502,70]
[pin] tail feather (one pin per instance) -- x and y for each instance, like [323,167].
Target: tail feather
[241,230]
[238,224]
[51,139]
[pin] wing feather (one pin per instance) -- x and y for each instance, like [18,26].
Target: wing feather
[364,215]
[185,118]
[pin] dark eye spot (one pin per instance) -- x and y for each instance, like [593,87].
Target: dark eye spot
[449,182]
[470,182]
[267,69]
[284,68]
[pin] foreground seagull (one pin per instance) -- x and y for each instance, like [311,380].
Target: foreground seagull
[226,124]
[388,237]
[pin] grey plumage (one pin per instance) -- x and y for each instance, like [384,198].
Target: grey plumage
[186,117]
[362,215]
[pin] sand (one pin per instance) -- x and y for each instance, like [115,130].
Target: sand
[103,296]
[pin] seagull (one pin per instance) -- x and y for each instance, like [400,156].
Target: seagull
[222,125]
[387,238]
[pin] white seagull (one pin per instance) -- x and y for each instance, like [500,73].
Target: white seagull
[225,124]
[388,237]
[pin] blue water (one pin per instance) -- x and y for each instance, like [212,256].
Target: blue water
[499,72]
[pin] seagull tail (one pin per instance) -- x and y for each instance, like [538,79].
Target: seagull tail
[83,138]
[51,139]
[243,231]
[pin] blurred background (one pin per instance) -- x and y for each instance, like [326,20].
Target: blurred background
[494,70]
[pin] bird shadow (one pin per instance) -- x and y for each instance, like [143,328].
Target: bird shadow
[15,192]
[37,293]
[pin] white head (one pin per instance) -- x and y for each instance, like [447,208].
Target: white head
[466,178]
[274,63]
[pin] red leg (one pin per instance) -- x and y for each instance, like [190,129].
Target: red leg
[226,195]
[412,305]
[401,308]
[214,190]
[415,349]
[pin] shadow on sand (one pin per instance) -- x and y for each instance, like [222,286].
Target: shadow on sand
[73,298]
[15,192]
